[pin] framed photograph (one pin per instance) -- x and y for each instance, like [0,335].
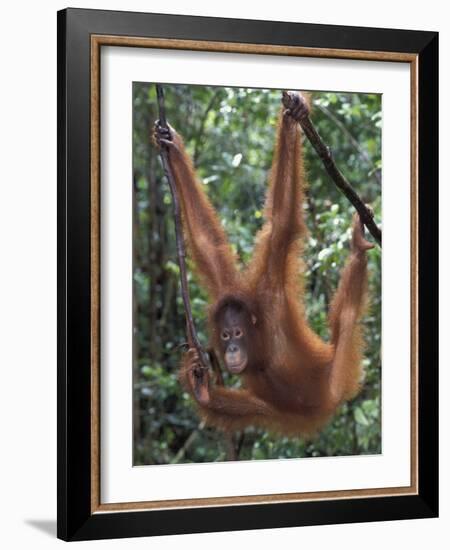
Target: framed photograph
[247,286]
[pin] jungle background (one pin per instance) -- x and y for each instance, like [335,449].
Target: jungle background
[230,134]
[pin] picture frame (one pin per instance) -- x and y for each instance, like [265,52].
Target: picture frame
[81,36]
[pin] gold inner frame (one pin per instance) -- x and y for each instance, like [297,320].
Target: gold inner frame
[97,41]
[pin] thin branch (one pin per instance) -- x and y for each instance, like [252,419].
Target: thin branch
[202,126]
[188,444]
[296,103]
[232,452]
[240,443]
[181,249]
[361,151]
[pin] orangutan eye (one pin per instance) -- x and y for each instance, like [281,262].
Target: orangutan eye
[238,333]
[225,336]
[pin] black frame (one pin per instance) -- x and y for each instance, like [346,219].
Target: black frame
[75,521]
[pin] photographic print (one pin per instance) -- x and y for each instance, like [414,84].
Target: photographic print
[236,351]
[282,280]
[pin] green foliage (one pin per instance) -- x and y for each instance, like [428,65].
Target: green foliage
[230,134]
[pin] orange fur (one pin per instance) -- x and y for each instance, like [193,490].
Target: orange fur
[295,380]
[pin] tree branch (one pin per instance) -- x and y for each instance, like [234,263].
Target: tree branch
[361,151]
[297,106]
[187,444]
[201,128]
[192,337]
[232,450]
